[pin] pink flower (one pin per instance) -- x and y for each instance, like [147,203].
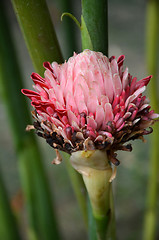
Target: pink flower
[90,102]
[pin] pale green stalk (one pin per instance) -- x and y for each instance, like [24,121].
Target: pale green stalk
[152,39]
[98,187]
[97,174]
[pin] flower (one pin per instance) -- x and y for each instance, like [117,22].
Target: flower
[90,103]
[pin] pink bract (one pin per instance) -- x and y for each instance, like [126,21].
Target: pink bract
[90,102]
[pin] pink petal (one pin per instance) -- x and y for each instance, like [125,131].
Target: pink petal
[69,77]
[37,79]
[70,102]
[51,94]
[125,80]
[99,116]
[143,107]
[133,85]
[114,66]
[92,102]
[50,110]
[117,84]
[135,94]
[63,77]
[116,101]
[119,122]
[95,86]
[108,86]
[48,66]
[143,82]
[91,122]
[127,115]
[80,80]
[59,95]
[133,115]
[72,117]
[49,77]
[108,113]
[107,78]
[104,99]
[31,94]
[79,99]
[57,122]
[117,116]
[122,125]
[120,61]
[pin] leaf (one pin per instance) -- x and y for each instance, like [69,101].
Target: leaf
[86,40]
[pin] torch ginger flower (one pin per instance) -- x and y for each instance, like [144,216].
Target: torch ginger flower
[90,103]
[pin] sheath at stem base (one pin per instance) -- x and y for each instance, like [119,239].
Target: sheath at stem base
[96,171]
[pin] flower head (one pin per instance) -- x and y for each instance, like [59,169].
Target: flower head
[89,103]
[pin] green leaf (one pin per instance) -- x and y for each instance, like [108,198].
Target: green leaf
[38,31]
[95,17]
[86,40]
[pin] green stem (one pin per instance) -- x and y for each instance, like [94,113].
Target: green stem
[8,226]
[68,29]
[40,37]
[94,27]
[112,226]
[92,224]
[152,38]
[42,221]
[38,32]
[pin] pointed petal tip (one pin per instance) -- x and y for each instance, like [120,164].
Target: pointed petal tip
[120,60]
[22,91]
[46,64]
[30,93]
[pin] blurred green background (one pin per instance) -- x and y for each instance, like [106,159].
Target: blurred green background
[126,36]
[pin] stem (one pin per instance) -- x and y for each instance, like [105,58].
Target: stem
[42,221]
[69,28]
[8,227]
[92,224]
[34,19]
[38,31]
[112,227]
[150,223]
[98,187]
[94,27]
[96,172]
